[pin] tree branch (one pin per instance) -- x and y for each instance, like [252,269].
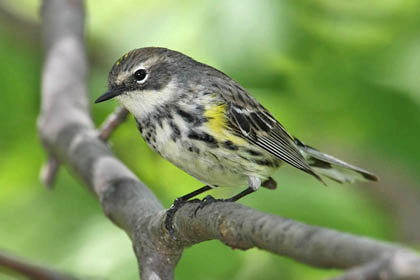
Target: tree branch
[49,171]
[112,122]
[398,266]
[68,134]
[21,28]
[30,270]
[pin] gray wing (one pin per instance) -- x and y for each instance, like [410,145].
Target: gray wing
[251,121]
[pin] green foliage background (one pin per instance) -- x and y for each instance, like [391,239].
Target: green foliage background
[341,75]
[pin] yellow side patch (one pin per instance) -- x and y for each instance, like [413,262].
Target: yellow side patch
[217,123]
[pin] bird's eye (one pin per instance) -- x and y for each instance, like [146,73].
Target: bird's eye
[140,76]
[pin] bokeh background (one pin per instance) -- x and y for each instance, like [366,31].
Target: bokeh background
[343,76]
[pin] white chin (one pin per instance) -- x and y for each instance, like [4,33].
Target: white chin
[142,103]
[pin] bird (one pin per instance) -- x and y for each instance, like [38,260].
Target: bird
[211,127]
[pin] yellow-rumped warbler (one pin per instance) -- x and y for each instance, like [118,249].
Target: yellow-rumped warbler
[209,126]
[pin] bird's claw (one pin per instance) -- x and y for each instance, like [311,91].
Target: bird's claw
[206,201]
[178,203]
[170,214]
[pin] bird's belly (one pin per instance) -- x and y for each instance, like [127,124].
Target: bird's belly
[208,166]
[212,165]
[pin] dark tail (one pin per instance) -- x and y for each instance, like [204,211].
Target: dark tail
[332,167]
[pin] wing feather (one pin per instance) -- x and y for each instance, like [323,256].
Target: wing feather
[250,120]
[257,126]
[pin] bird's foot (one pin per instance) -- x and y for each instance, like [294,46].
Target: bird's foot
[170,214]
[207,201]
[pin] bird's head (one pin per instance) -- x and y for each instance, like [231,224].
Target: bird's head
[145,78]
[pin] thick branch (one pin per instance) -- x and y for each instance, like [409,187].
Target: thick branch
[68,133]
[241,227]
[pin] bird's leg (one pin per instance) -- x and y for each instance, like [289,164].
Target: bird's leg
[190,195]
[209,199]
[238,196]
[253,185]
[178,203]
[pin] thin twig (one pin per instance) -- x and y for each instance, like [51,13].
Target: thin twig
[112,122]
[49,171]
[32,271]
[397,266]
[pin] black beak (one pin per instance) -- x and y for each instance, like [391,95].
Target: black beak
[108,95]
